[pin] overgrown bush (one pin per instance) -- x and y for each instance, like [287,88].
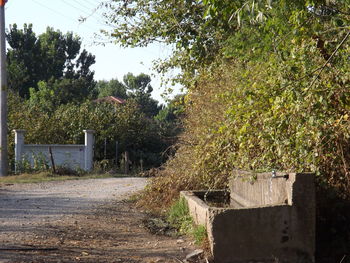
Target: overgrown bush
[268,88]
[124,124]
[257,115]
[267,107]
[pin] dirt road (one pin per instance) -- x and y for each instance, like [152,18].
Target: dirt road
[80,221]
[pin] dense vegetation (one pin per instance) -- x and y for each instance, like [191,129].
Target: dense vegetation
[276,94]
[268,88]
[52,95]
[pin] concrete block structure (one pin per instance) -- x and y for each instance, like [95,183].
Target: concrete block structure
[270,218]
[74,156]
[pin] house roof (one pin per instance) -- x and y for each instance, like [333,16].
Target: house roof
[112,99]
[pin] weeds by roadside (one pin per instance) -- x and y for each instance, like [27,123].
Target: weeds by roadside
[48,176]
[41,171]
[179,217]
[176,222]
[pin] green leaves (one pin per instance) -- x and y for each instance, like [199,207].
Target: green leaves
[257,110]
[50,57]
[124,123]
[112,87]
[178,23]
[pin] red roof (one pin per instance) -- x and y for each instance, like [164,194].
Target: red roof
[111,99]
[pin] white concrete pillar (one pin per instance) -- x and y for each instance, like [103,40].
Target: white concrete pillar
[89,149]
[19,147]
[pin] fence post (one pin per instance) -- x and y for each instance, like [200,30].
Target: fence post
[105,150]
[126,162]
[52,161]
[19,148]
[116,154]
[89,149]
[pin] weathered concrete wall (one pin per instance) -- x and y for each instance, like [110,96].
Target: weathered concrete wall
[273,220]
[73,156]
[248,189]
[242,235]
[64,155]
[199,210]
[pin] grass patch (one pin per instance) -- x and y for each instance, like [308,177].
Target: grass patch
[199,233]
[48,176]
[179,217]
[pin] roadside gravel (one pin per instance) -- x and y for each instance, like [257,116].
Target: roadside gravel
[80,221]
[27,204]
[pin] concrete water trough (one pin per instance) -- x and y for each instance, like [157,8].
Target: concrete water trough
[265,217]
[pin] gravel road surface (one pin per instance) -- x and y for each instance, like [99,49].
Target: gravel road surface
[27,204]
[79,221]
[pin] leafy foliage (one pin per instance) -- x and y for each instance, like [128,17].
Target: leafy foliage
[170,117]
[52,93]
[195,39]
[123,123]
[111,88]
[49,95]
[276,97]
[139,89]
[50,57]
[179,217]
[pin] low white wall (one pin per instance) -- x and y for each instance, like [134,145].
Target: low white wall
[74,156]
[64,155]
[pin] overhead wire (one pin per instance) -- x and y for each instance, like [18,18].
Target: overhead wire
[86,13]
[76,8]
[93,7]
[65,16]
[53,10]
[92,3]
[93,11]
[84,6]
[91,26]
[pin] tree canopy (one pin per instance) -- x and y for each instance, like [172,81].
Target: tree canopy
[50,57]
[137,88]
[181,24]
[53,96]
[268,89]
[201,30]
[111,87]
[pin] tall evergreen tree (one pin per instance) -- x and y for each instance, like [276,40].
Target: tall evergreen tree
[50,57]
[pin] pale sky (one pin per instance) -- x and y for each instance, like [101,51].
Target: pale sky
[111,60]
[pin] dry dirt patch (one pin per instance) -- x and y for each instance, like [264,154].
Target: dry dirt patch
[80,221]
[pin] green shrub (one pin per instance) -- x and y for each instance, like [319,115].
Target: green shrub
[199,233]
[179,217]
[124,124]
